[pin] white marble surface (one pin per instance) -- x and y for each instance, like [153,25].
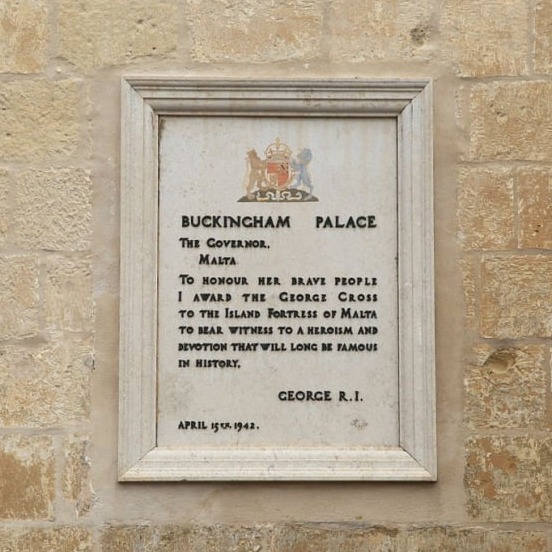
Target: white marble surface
[354,172]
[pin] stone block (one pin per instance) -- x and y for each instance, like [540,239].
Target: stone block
[96,33]
[469,285]
[485,38]
[26,477]
[68,302]
[486,209]
[39,120]
[77,484]
[534,188]
[515,297]
[507,121]
[230,538]
[212,538]
[4,207]
[19,298]
[23,36]
[380,30]
[447,539]
[254,30]
[59,539]
[53,209]
[128,538]
[543,37]
[506,388]
[45,387]
[330,537]
[509,478]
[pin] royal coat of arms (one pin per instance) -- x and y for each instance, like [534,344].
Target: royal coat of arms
[279,176]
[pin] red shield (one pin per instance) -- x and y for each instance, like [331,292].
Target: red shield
[279,173]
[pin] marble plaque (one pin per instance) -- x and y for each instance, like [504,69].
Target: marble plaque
[277,285]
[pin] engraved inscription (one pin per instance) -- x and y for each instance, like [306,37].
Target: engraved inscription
[278,307]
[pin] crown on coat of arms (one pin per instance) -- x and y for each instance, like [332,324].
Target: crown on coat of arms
[278,150]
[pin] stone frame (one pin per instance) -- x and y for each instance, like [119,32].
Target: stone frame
[144,100]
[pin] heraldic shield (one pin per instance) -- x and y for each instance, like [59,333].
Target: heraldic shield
[279,170]
[280,176]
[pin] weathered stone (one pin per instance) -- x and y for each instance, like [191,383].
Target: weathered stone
[26,477]
[481,43]
[506,388]
[486,209]
[128,538]
[535,208]
[507,121]
[59,539]
[77,485]
[382,29]
[4,207]
[23,36]
[469,284]
[19,300]
[543,36]
[254,30]
[95,33]
[68,303]
[39,120]
[509,478]
[45,387]
[330,537]
[229,538]
[515,297]
[444,539]
[53,209]
[167,538]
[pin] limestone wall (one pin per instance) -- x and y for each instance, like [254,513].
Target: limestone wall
[60,68]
